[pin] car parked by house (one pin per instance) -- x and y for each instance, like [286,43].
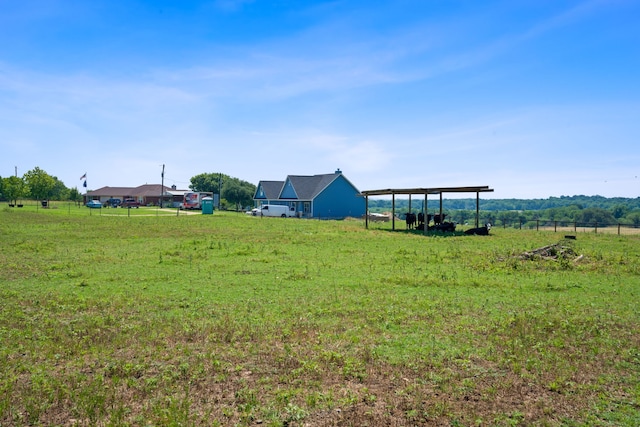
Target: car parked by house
[94,204]
[276,210]
[130,203]
[114,203]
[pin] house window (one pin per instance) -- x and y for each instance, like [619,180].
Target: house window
[307,207]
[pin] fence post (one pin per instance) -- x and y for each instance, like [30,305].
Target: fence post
[555,226]
[537,225]
[575,226]
[618,229]
[595,224]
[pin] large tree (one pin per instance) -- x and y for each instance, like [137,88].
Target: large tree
[207,182]
[634,217]
[13,188]
[619,210]
[39,183]
[237,192]
[59,191]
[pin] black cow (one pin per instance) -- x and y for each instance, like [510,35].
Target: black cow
[410,219]
[439,219]
[445,226]
[479,231]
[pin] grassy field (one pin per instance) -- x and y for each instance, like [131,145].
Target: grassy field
[154,318]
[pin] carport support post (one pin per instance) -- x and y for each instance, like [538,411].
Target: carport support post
[425,225]
[366,212]
[477,209]
[393,211]
[441,218]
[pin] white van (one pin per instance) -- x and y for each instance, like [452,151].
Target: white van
[277,210]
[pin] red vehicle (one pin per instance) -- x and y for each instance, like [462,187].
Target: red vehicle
[130,203]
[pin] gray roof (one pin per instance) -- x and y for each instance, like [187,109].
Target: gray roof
[308,187]
[153,190]
[271,189]
[140,191]
[112,191]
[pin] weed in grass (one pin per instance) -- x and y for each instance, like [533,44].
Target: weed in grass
[293,413]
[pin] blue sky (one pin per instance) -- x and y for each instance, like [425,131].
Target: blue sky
[534,98]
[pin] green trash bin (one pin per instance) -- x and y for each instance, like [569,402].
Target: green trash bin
[207,205]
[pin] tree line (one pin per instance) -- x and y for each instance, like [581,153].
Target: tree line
[36,184]
[568,209]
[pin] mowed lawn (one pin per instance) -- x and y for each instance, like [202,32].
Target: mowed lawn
[228,319]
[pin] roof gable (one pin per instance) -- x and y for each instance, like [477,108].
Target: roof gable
[288,190]
[308,187]
[268,189]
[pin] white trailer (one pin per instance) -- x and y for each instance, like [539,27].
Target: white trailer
[277,210]
[193,199]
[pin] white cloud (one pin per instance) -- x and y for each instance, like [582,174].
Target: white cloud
[362,156]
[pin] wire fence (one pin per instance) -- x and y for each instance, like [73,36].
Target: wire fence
[571,226]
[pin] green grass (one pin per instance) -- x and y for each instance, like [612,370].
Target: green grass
[234,320]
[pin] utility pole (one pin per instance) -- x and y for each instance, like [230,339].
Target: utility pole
[162,187]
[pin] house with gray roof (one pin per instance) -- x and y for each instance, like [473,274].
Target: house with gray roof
[326,196]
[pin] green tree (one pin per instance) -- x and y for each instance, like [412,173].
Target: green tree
[207,182]
[595,215]
[634,217]
[234,190]
[239,193]
[618,211]
[14,188]
[59,191]
[509,217]
[75,195]
[39,183]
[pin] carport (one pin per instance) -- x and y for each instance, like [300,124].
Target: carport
[425,192]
